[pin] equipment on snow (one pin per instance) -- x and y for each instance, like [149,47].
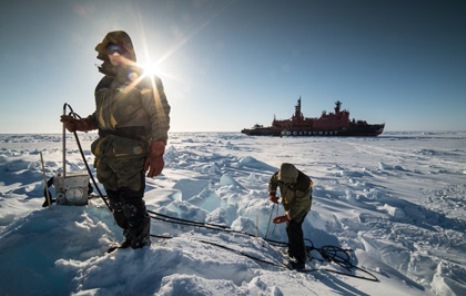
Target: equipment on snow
[71,188]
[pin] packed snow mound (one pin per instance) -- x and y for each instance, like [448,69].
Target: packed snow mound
[449,279]
[251,162]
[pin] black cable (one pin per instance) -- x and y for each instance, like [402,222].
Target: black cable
[75,115]
[370,278]
[241,253]
[162,236]
[185,222]
[333,254]
[340,257]
[188,221]
[90,172]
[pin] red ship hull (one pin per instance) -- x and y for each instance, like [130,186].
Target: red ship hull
[330,125]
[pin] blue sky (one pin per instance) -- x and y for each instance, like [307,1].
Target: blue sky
[227,65]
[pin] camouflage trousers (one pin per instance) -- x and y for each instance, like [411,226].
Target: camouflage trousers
[124,181]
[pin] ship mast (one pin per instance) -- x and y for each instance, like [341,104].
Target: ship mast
[337,107]
[297,112]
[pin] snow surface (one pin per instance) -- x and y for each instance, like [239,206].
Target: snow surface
[396,200]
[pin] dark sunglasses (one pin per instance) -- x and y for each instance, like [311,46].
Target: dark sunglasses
[113,48]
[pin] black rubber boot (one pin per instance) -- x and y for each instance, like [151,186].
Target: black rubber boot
[126,243]
[138,230]
[141,237]
[298,266]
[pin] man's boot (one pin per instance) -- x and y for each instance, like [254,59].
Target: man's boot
[296,265]
[141,237]
[138,230]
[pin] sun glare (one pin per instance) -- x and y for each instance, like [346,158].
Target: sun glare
[150,69]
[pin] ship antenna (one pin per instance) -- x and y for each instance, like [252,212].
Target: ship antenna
[298,107]
[297,112]
[337,107]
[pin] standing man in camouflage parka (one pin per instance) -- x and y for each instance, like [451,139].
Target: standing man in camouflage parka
[132,117]
[296,192]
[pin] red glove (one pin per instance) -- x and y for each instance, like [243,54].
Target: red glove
[280,219]
[72,124]
[154,162]
[273,197]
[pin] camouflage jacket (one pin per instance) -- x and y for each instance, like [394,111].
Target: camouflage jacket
[132,111]
[296,197]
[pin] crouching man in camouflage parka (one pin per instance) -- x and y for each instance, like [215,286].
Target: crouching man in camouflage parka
[296,192]
[132,116]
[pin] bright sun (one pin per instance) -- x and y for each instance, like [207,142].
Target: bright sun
[150,69]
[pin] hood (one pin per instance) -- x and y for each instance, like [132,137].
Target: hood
[120,38]
[288,173]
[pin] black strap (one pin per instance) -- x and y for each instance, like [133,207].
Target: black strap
[132,132]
